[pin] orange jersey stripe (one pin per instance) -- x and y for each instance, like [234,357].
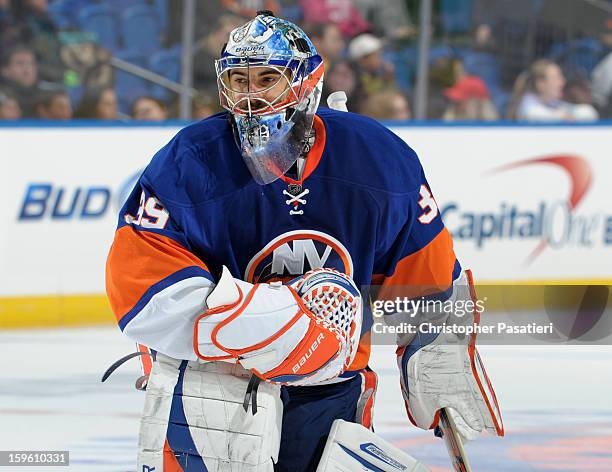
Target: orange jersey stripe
[427,271]
[138,260]
[316,152]
[363,353]
[170,462]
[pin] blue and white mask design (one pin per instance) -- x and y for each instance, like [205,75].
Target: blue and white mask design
[270,79]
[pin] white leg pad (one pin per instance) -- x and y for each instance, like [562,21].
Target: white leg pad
[222,433]
[351,447]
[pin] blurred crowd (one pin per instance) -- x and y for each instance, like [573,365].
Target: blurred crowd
[55,62]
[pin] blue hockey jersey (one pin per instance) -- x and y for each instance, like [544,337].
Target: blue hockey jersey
[363,207]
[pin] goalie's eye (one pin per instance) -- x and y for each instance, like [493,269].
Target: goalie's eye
[270,78]
[238,81]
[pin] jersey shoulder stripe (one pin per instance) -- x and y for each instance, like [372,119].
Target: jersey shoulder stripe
[431,269]
[159,260]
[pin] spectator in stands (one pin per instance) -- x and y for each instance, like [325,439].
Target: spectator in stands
[387,105]
[88,64]
[482,38]
[578,91]
[19,74]
[328,41]
[341,12]
[602,74]
[341,76]
[374,72]
[388,19]
[469,100]
[149,109]
[54,106]
[538,93]
[204,105]
[9,107]
[37,30]
[444,72]
[99,104]
[19,67]
[602,86]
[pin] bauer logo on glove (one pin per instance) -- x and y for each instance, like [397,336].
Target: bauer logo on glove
[301,333]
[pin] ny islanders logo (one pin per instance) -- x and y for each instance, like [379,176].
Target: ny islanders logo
[295,253]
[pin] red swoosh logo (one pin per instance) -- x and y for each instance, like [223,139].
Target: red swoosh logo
[581,178]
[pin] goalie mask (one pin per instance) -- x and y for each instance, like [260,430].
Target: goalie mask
[270,79]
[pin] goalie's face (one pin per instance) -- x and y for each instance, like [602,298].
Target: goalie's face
[258,90]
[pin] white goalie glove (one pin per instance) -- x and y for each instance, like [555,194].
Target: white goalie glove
[445,371]
[296,334]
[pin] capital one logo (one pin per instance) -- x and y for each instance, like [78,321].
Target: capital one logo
[580,176]
[296,252]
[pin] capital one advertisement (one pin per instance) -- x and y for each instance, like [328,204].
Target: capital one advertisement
[523,204]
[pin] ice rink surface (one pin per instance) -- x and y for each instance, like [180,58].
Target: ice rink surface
[556,402]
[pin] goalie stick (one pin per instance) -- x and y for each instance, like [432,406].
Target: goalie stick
[448,432]
[446,429]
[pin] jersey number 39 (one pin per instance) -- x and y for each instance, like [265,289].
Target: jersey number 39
[151,214]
